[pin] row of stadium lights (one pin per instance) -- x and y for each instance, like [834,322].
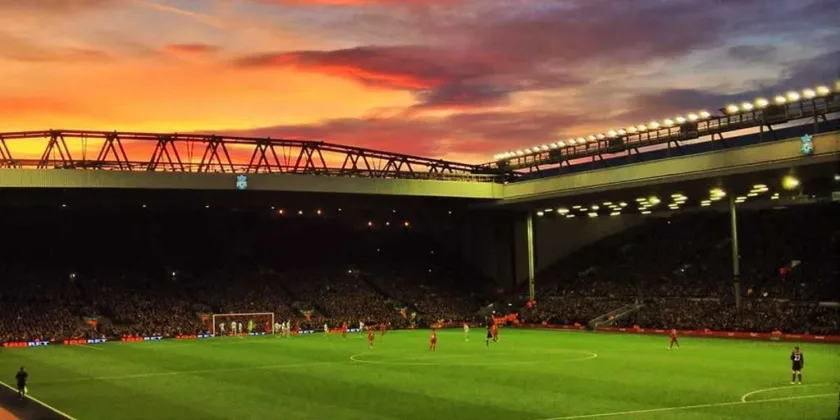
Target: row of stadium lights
[645,204]
[760,103]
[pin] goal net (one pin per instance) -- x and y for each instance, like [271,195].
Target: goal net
[260,323]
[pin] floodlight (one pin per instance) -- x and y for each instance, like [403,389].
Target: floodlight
[809,93]
[693,117]
[607,203]
[704,114]
[548,210]
[646,212]
[592,214]
[792,96]
[641,199]
[632,129]
[561,144]
[642,127]
[742,198]
[654,200]
[562,210]
[575,207]
[572,141]
[746,106]
[612,133]
[680,120]
[790,182]
[535,149]
[600,136]
[539,213]
[780,100]
[761,103]
[552,145]
[570,216]
[544,147]
[823,90]
[622,132]
[581,140]
[653,124]
[732,109]
[615,213]
[759,186]
[752,194]
[705,204]
[591,138]
[622,204]
[594,207]
[519,153]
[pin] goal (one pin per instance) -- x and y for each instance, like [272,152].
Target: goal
[263,323]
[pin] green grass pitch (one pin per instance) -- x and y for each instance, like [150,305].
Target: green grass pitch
[528,375]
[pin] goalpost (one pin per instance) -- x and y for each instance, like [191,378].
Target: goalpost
[259,320]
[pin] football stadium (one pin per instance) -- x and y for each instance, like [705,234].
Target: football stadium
[683,268]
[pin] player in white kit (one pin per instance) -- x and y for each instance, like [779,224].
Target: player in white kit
[326,330]
[466,332]
[221,328]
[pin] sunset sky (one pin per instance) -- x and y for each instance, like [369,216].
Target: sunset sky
[458,79]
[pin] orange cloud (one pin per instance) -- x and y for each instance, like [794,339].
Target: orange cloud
[190,49]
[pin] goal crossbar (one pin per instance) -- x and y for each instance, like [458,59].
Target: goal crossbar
[244,316]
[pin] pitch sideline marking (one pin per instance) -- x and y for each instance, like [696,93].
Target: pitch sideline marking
[51,408]
[689,407]
[402,362]
[182,372]
[87,347]
[759,391]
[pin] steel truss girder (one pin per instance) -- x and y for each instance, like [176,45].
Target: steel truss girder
[6,160]
[224,154]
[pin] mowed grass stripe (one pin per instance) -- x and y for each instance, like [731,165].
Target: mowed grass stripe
[233,378]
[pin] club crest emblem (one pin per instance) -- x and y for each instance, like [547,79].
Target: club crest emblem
[807,147]
[241,182]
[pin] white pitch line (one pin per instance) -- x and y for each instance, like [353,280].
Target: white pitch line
[51,408]
[744,398]
[689,407]
[409,361]
[182,372]
[87,347]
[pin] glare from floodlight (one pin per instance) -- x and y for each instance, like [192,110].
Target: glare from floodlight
[581,140]
[535,149]
[600,136]
[809,93]
[539,213]
[622,132]
[570,216]
[632,129]
[668,122]
[560,144]
[752,194]
[646,212]
[732,109]
[592,214]
[594,207]
[790,182]
[746,106]
[792,96]
[642,127]
[612,133]
[654,200]
[759,186]
[653,124]
[761,103]
[562,210]
[680,120]
[622,204]
[704,114]
[693,117]
[553,145]
[780,100]
[544,147]
[615,213]
[823,90]
[641,199]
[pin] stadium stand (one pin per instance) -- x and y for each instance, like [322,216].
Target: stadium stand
[160,273]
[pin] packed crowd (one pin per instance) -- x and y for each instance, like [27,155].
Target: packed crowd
[680,268]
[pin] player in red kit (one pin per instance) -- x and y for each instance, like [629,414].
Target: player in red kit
[382,329]
[495,331]
[433,341]
[371,336]
[344,330]
[673,335]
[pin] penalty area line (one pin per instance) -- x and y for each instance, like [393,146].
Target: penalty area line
[45,405]
[690,407]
